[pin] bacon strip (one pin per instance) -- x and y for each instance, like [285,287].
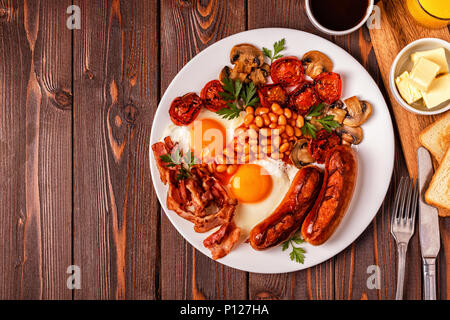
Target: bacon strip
[160,149]
[200,199]
[223,240]
[207,223]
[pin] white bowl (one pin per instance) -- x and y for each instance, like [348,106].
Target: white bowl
[403,63]
[335,32]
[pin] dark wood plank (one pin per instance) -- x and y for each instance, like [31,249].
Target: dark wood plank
[115,90]
[35,150]
[15,70]
[443,262]
[189,27]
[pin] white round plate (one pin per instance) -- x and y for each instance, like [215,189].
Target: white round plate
[375,153]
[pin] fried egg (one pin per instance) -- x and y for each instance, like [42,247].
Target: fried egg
[260,187]
[206,135]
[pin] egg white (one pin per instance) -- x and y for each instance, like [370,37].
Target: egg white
[182,134]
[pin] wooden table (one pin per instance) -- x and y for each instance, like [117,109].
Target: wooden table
[76,108]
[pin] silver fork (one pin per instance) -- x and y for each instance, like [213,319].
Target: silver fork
[402,225]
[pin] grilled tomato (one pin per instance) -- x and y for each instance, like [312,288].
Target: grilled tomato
[185,109]
[303,97]
[210,95]
[272,93]
[328,86]
[287,71]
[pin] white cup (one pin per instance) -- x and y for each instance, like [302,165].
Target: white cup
[334,32]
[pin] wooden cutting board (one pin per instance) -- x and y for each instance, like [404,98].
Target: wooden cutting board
[397,29]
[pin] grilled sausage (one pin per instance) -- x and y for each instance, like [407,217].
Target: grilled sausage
[335,195]
[288,216]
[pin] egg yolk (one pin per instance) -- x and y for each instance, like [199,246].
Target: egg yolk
[208,138]
[251,183]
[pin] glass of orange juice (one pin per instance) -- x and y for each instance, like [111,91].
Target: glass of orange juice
[433,14]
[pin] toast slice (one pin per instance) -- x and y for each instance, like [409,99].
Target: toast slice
[436,137]
[438,193]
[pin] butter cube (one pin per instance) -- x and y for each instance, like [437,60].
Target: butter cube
[422,73]
[407,91]
[435,55]
[438,92]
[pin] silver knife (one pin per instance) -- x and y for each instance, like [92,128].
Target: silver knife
[428,225]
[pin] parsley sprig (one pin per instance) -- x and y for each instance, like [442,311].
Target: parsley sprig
[232,89]
[233,111]
[239,95]
[249,95]
[327,122]
[185,162]
[277,48]
[297,253]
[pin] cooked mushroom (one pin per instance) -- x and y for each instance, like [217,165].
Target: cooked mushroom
[300,155]
[258,76]
[338,104]
[339,114]
[357,112]
[346,143]
[336,109]
[225,73]
[265,69]
[351,135]
[248,63]
[315,62]
[241,76]
[245,57]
